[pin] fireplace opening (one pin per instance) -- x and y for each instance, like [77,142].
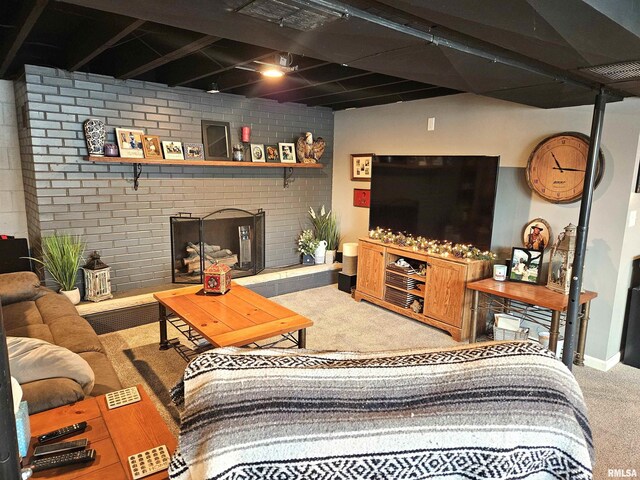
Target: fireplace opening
[230,236]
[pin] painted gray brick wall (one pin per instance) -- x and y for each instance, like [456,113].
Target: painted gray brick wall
[65,192]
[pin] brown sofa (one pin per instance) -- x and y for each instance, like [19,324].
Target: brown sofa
[30,310]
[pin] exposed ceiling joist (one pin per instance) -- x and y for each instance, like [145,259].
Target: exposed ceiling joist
[88,47]
[172,56]
[29,15]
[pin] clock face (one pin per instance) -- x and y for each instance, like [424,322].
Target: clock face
[556,167]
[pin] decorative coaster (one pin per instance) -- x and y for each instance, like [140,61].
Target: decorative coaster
[148,462]
[122,397]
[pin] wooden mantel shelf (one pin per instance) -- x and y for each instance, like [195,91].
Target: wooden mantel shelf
[138,162]
[202,163]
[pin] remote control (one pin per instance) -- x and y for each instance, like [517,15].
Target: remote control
[63,432]
[55,461]
[60,447]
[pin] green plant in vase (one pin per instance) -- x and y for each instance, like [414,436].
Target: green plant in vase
[62,256]
[325,226]
[307,244]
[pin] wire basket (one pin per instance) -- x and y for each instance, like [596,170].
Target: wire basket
[504,334]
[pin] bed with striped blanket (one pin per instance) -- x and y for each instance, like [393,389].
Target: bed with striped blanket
[499,410]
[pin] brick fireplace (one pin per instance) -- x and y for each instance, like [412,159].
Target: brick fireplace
[64,192]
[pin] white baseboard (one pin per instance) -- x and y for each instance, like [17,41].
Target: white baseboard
[602,365]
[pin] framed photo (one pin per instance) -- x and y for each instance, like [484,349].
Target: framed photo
[130,142]
[361,164]
[525,265]
[257,152]
[287,152]
[361,197]
[151,146]
[273,155]
[172,150]
[536,234]
[194,151]
[216,138]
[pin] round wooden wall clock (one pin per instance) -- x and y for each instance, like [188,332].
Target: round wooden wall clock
[557,165]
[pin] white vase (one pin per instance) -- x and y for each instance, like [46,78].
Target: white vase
[320,252]
[72,295]
[330,256]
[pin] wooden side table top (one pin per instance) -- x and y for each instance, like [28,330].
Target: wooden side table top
[528,293]
[237,318]
[114,434]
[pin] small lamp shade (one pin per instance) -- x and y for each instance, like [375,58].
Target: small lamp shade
[97,279]
[561,263]
[217,279]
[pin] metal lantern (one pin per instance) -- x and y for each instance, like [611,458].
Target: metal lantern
[217,278]
[97,279]
[561,263]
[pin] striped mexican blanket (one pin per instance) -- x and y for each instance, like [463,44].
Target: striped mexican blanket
[500,410]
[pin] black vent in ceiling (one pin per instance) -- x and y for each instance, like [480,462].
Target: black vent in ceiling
[288,14]
[617,71]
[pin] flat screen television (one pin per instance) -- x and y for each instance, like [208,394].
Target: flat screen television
[439,197]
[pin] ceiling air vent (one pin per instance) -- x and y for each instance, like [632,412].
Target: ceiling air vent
[616,71]
[288,14]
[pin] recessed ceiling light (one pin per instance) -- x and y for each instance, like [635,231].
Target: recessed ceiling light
[272,72]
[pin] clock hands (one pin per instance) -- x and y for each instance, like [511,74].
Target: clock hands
[565,169]
[557,163]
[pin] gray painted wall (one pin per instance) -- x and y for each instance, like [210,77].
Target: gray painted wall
[66,192]
[470,124]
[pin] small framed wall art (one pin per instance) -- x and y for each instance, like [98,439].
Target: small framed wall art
[172,150]
[361,197]
[151,146]
[194,151]
[130,142]
[361,164]
[287,152]
[257,152]
[536,234]
[272,153]
[525,265]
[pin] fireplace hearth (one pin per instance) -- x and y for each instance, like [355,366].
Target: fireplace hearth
[230,236]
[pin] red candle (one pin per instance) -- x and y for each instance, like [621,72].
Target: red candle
[246,132]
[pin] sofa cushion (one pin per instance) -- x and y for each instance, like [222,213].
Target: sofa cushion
[51,393]
[31,359]
[21,314]
[106,378]
[18,287]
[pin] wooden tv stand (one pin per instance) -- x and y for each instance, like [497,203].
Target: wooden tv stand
[444,287]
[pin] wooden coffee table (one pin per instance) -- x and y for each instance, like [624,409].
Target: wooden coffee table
[237,318]
[114,434]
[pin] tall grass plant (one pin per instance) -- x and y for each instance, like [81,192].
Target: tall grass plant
[62,256]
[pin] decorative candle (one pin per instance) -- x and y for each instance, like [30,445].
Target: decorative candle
[246,133]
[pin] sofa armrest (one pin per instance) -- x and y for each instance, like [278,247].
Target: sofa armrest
[18,287]
[51,393]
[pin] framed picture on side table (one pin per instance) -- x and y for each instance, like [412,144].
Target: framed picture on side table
[525,265]
[361,164]
[151,146]
[130,142]
[172,150]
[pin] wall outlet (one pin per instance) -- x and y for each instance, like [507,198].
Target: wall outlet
[431,124]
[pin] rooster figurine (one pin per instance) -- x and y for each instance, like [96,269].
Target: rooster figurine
[309,151]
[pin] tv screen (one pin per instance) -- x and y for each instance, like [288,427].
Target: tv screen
[439,197]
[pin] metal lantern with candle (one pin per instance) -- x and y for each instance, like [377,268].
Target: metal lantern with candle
[97,279]
[217,278]
[561,263]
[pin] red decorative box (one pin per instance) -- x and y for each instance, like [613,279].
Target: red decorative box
[217,279]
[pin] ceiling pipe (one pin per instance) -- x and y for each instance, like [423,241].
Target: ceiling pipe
[440,40]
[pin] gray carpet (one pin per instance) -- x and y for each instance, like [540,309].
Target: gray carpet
[340,323]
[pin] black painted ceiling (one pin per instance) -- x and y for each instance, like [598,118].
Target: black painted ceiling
[351,53]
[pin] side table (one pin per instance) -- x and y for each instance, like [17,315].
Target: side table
[114,434]
[536,295]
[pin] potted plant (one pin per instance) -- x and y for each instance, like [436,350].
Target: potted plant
[325,226]
[307,244]
[62,256]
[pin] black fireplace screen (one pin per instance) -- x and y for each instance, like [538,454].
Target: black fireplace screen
[229,236]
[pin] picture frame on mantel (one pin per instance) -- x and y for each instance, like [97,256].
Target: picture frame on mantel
[151,146]
[361,164]
[130,142]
